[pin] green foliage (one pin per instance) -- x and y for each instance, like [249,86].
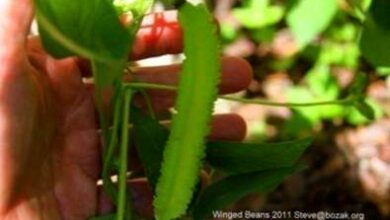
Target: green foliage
[150,150]
[226,191]
[228,33]
[67,27]
[365,109]
[358,85]
[104,217]
[375,39]
[383,71]
[173,3]
[91,29]
[261,166]
[308,18]
[320,85]
[258,13]
[196,94]
[136,7]
[356,116]
[237,158]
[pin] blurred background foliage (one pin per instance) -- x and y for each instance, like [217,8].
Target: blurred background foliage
[308,51]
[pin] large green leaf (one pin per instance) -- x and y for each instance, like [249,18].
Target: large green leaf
[375,38]
[308,18]
[243,158]
[220,194]
[90,25]
[88,28]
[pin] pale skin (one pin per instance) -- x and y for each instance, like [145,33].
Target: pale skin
[49,139]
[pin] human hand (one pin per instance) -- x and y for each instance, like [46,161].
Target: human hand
[49,139]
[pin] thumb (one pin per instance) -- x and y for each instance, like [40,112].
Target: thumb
[15,22]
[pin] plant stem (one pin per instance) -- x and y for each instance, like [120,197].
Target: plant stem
[123,157]
[151,86]
[346,101]
[148,103]
[109,152]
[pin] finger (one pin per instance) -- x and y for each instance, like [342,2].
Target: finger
[227,127]
[159,34]
[36,55]
[15,25]
[236,76]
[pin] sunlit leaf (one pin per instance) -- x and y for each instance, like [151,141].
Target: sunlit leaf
[355,117]
[258,14]
[308,18]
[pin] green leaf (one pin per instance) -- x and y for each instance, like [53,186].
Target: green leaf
[173,3]
[258,13]
[359,84]
[228,190]
[308,18]
[322,83]
[383,71]
[228,32]
[230,157]
[297,120]
[375,38]
[356,91]
[302,94]
[324,86]
[197,92]
[150,138]
[89,28]
[136,7]
[355,117]
[242,158]
[365,109]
